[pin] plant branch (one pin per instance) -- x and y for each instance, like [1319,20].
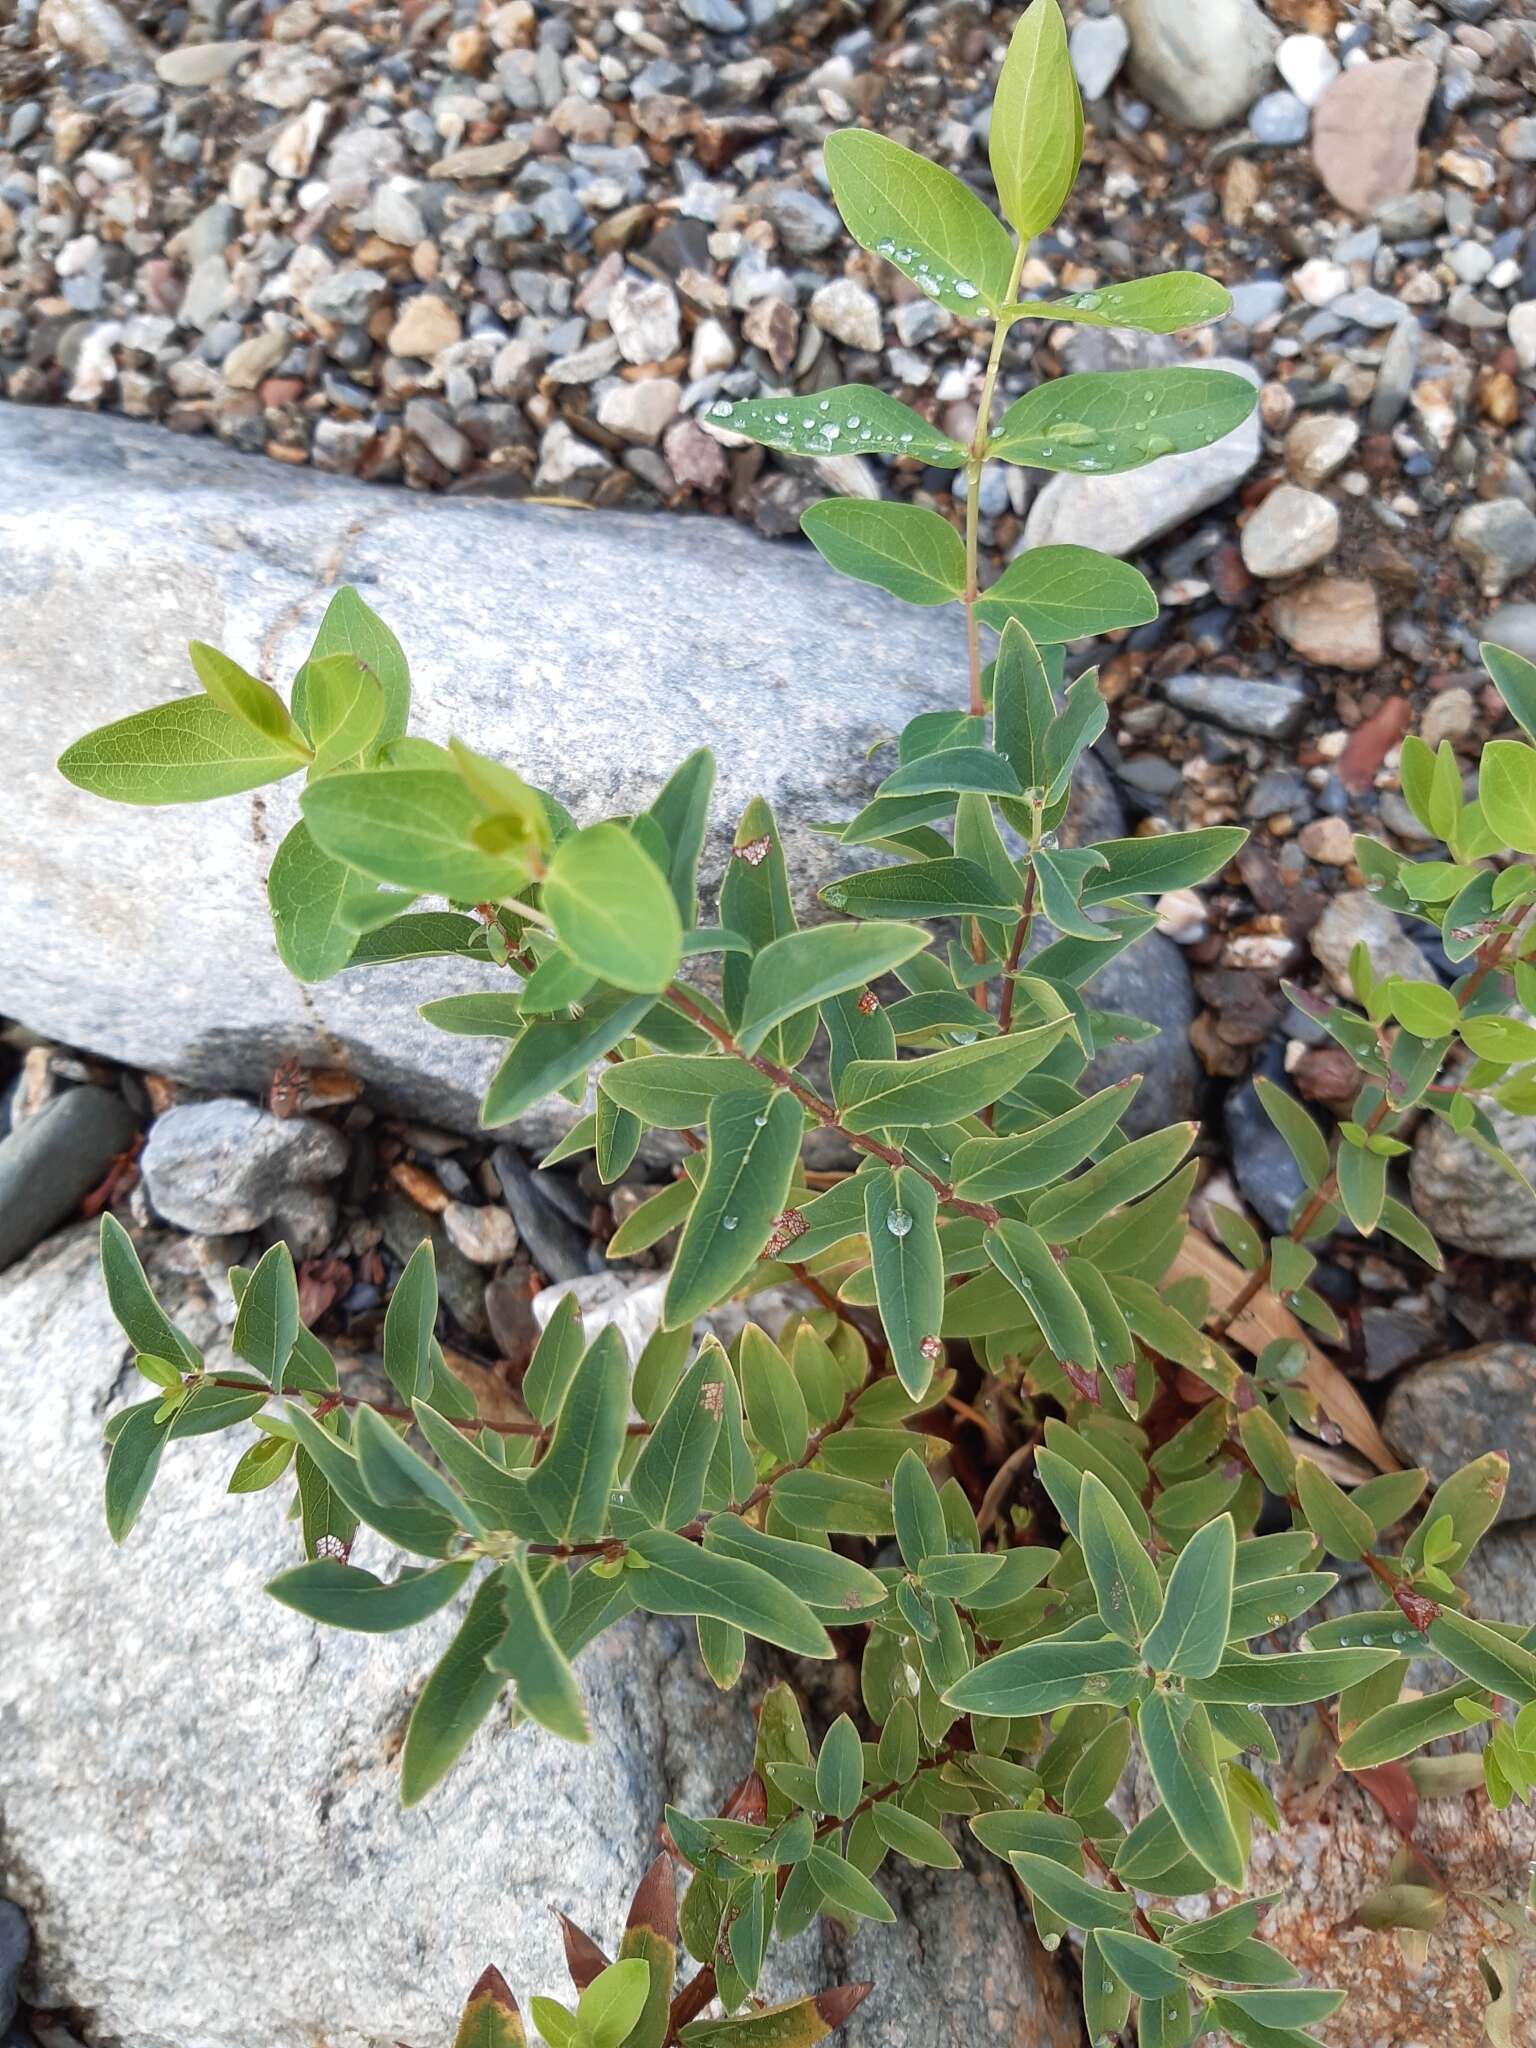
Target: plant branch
[823,1112]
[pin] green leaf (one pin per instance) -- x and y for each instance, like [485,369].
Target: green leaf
[963,770]
[428,934]
[680,810]
[1095,423]
[1506,788]
[1023,705]
[416,829]
[823,1579]
[344,708]
[945,1086]
[901,1217]
[845,1887]
[918,1840]
[1040,1677]
[308,892]
[1024,1259]
[1482,1654]
[1470,1500]
[982,1169]
[613,908]
[1067,1212]
[342,1596]
[491,2018]
[556,1356]
[135,1457]
[753,1148]
[267,1323]
[1181,1754]
[922,220]
[1143,1966]
[667,1483]
[529,1654]
[905,549]
[1192,1630]
[613,2002]
[1036,137]
[674,1091]
[180,753]
[1286,1681]
[397,1479]
[682,1578]
[1162,861]
[1398,1730]
[1164,304]
[555,1051]
[1067,593]
[1124,1578]
[804,968]
[571,1482]
[142,1320]
[242,696]
[799,2024]
[1064,1892]
[946,887]
[409,1322]
[850,419]
[1347,1531]
[1515,680]
[456,1697]
[775,1405]
[840,1769]
[1306,1143]
[351,627]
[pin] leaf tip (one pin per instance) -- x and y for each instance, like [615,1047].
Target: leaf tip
[654,1906]
[839,2004]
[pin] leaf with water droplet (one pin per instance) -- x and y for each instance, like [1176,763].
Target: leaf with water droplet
[745,1186]
[1164,304]
[1097,424]
[922,219]
[853,419]
[901,1217]
[904,549]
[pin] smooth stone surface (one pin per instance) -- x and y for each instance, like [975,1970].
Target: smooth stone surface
[121,1832]
[1098,45]
[1497,541]
[1202,62]
[592,650]
[1513,626]
[225,1166]
[1446,1412]
[1292,530]
[1355,916]
[1365,130]
[50,1163]
[1120,514]
[1466,1198]
[1335,620]
[1267,710]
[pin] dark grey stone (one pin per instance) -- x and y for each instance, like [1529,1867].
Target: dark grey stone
[15,1946]
[560,1247]
[1266,710]
[1267,1174]
[52,1161]
[1450,1410]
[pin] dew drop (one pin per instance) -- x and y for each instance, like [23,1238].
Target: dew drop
[1367,1640]
[760,1120]
[964,289]
[1087,302]
[825,406]
[1398,1637]
[853,420]
[832,432]
[1050,1942]
[1253,1706]
[886,248]
[1301,1589]
[905,439]
[1343,1642]
[1158,444]
[722,409]
[781,419]
[898,1222]
[727,1222]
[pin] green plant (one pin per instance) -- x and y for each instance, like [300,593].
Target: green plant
[997,1214]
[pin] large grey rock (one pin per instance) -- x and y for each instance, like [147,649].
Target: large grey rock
[1200,61]
[1466,1198]
[1448,1411]
[1120,514]
[222,1167]
[591,650]
[180,1753]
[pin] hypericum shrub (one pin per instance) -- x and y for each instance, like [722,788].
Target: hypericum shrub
[997,1214]
[628,2003]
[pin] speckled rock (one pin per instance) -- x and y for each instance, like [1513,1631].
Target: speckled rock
[1356,916]
[1466,1198]
[1447,1411]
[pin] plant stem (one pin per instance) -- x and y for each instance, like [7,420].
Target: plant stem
[973,467]
[823,1112]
